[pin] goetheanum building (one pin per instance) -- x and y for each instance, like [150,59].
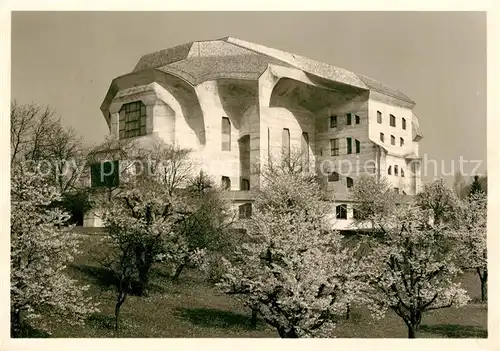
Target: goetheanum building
[235,103]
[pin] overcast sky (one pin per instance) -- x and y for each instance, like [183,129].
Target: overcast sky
[68,60]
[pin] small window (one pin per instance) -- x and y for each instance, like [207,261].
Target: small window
[226,182]
[396,190]
[401,142]
[285,142]
[402,172]
[396,170]
[393,140]
[333,177]
[350,182]
[358,147]
[349,145]
[341,211]
[105,174]
[245,184]
[379,117]
[349,119]
[355,213]
[393,121]
[357,119]
[245,211]
[334,147]
[382,137]
[226,134]
[333,121]
[403,123]
[389,170]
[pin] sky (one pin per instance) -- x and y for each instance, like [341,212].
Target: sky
[68,59]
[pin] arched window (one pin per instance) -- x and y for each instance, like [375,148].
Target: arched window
[333,177]
[396,170]
[226,182]
[341,211]
[389,170]
[402,172]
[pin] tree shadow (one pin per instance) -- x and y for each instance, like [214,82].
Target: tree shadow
[100,276]
[214,318]
[455,330]
[28,331]
[101,321]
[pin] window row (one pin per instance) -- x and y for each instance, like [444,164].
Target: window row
[350,119]
[334,146]
[226,183]
[393,140]
[335,177]
[396,171]
[392,120]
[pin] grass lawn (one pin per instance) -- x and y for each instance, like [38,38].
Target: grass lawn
[194,308]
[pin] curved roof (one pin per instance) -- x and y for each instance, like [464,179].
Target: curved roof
[229,57]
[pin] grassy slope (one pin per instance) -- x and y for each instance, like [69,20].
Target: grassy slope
[192,308]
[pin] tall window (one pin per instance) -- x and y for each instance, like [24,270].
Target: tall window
[358,146]
[132,120]
[305,150]
[334,147]
[393,121]
[357,119]
[379,117]
[226,134]
[244,184]
[402,172]
[285,142]
[389,170]
[333,121]
[341,211]
[333,177]
[403,121]
[401,142]
[349,119]
[350,182]
[105,174]
[349,145]
[393,140]
[226,182]
[396,170]
[382,137]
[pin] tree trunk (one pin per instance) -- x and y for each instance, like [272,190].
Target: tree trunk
[483,277]
[348,312]
[15,324]
[412,332]
[178,271]
[119,302]
[253,322]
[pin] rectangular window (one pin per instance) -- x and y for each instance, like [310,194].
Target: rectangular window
[245,184]
[349,145]
[341,211]
[105,174]
[393,140]
[350,182]
[226,183]
[396,190]
[379,117]
[358,147]
[349,119]
[393,121]
[357,119]
[396,170]
[245,211]
[401,142]
[305,150]
[333,121]
[403,122]
[382,137]
[132,121]
[334,147]
[285,142]
[226,134]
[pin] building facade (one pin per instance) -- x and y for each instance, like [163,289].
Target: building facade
[236,103]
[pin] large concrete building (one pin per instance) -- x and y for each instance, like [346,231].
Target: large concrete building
[235,103]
